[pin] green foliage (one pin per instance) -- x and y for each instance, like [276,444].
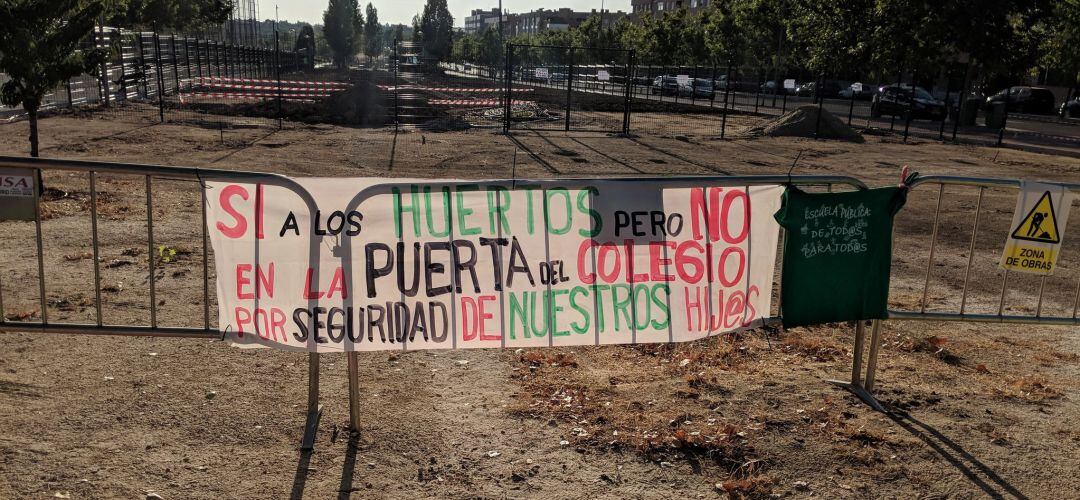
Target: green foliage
[434,29]
[1061,46]
[343,26]
[41,50]
[305,45]
[373,43]
[168,14]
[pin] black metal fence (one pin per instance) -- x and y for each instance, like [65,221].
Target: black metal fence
[576,88]
[182,78]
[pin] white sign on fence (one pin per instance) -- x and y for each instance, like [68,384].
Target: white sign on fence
[682,79]
[452,265]
[1038,225]
[540,73]
[17,193]
[789,83]
[602,75]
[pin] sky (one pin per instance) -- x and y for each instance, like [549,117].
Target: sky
[402,11]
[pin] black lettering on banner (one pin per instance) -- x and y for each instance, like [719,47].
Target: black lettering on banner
[354,223]
[374,322]
[470,264]
[409,291]
[401,321]
[317,323]
[496,258]
[419,322]
[372,271]
[290,223]
[433,268]
[339,326]
[518,264]
[438,335]
[302,335]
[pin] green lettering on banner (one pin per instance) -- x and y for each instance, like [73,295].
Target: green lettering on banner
[620,306]
[574,292]
[597,288]
[517,310]
[529,211]
[497,207]
[586,208]
[544,315]
[463,212]
[399,209]
[547,211]
[662,304]
[446,213]
[556,309]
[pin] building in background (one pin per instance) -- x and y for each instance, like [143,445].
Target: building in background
[531,23]
[658,7]
[481,19]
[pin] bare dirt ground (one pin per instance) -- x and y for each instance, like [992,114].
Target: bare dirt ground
[981,410]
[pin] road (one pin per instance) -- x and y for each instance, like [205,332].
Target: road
[1033,132]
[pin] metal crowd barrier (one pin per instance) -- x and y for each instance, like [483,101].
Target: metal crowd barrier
[863,386]
[150,173]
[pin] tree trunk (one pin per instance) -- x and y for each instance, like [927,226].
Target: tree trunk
[32,117]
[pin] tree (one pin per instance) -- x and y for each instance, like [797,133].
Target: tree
[343,25]
[435,30]
[305,46]
[372,33]
[39,49]
[168,14]
[827,36]
[1059,49]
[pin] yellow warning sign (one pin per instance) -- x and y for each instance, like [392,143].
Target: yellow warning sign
[1038,225]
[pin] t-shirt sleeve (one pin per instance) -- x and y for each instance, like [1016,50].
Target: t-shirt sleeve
[785,203]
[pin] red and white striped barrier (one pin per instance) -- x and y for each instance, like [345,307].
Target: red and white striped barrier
[214,79]
[263,87]
[450,89]
[472,102]
[211,95]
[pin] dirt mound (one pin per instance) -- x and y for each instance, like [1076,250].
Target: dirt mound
[802,122]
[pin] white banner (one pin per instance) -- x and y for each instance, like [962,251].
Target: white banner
[367,266]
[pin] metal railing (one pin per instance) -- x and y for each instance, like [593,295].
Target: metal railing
[150,173]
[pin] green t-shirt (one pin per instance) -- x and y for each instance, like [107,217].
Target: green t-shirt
[837,254]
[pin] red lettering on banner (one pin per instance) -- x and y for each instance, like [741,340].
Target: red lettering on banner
[225,200]
[264,281]
[337,285]
[585,277]
[240,224]
[484,317]
[628,245]
[717,215]
[658,263]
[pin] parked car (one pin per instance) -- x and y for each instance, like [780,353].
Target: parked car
[665,85]
[1025,100]
[805,89]
[894,100]
[859,90]
[770,87]
[1070,109]
[703,88]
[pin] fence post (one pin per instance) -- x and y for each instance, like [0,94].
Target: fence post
[899,81]
[105,65]
[757,91]
[851,105]
[508,77]
[960,100]
[175,69]
[629,96]
[948,89]
[395,82]
[569,85]
[1005,117]
[911,104]
[277,66]
[187,60]
[820,96]
[712,102]
[727,92]
[159,76]
[142,66]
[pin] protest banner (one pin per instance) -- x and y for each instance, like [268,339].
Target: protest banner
[469,264]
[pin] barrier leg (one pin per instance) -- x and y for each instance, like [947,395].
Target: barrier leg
[871,361]
[314,409]
[354,391]
[855,387]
